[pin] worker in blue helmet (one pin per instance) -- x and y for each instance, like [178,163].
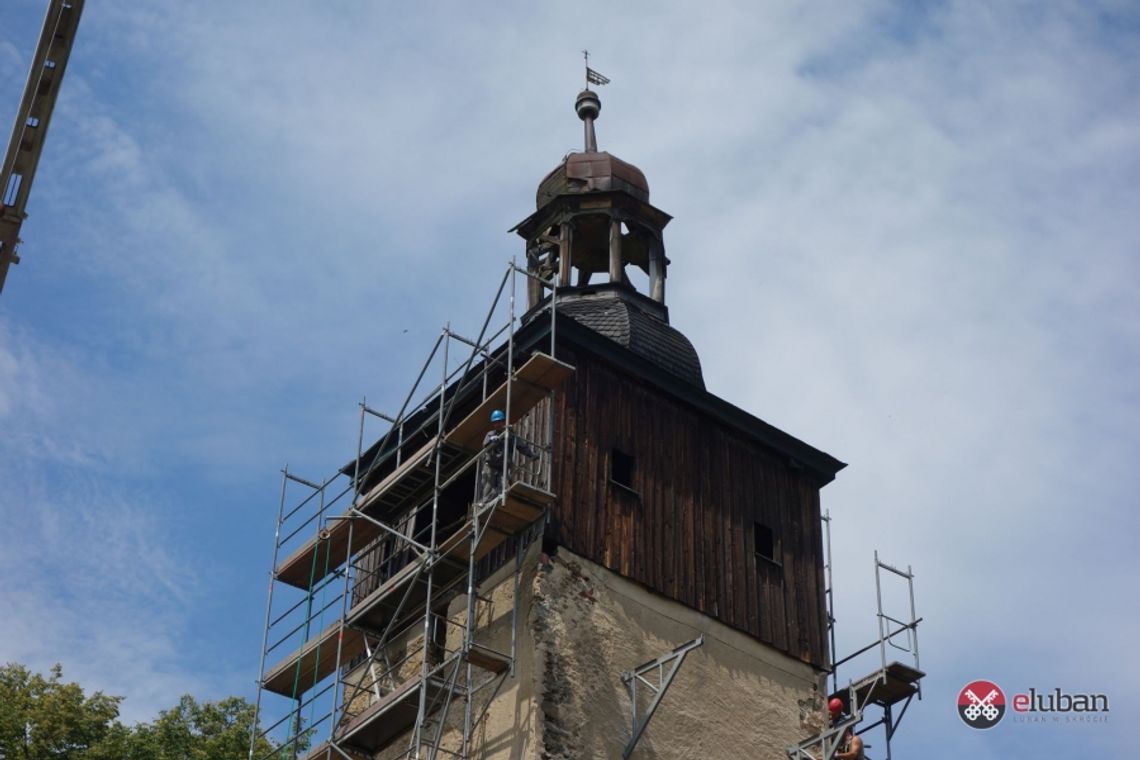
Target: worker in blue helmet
[495,445]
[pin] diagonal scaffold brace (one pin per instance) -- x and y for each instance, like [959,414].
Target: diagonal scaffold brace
[666,668]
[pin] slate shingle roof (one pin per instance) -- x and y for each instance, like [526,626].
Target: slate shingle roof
[618,314]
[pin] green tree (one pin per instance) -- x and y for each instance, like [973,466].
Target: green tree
[45,718]
[190,731]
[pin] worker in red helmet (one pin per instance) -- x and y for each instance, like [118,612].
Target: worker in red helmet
[851,747]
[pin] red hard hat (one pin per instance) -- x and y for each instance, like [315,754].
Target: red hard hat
[835,706]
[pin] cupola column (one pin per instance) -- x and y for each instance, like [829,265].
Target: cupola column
[534,288]
[657,271]
[615,250]
[564,239]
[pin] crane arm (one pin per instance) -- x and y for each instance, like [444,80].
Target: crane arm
[30,129]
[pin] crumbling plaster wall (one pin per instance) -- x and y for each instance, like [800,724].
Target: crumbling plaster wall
[580,627]
[732,697]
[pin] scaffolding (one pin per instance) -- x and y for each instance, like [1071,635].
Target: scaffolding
[373,627]
[889,688]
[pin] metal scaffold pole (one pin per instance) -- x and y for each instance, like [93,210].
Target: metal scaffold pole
[425,666]
[889,685]
[830,596]
[268,611]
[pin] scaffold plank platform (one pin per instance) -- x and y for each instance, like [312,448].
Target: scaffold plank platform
[318,655]
[301,568]
[540,375]
[524,504]
[395,714]
[488,659]
[406,574]
[886,687]
[411,480]
[403,595]
[525,501]
[325,751]
[317,658]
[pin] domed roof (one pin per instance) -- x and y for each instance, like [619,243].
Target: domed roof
[592,172]
[635,322]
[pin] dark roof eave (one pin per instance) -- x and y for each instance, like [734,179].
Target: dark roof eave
[823,465]
[563,202]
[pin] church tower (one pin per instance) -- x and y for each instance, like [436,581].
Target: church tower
[522,562]
[684,469]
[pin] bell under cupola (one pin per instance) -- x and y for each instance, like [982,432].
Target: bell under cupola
[593,223]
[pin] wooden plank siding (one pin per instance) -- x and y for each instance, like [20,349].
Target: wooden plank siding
[687,527]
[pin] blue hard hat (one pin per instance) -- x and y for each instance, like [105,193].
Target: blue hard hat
[498,416]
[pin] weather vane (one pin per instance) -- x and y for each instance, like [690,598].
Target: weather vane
[593,77]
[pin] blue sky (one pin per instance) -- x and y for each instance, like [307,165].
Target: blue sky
[906,237]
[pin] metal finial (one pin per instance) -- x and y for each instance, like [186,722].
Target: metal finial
[588,106]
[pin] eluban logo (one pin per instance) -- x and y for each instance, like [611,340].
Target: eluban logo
[1059,701]
[981,704]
